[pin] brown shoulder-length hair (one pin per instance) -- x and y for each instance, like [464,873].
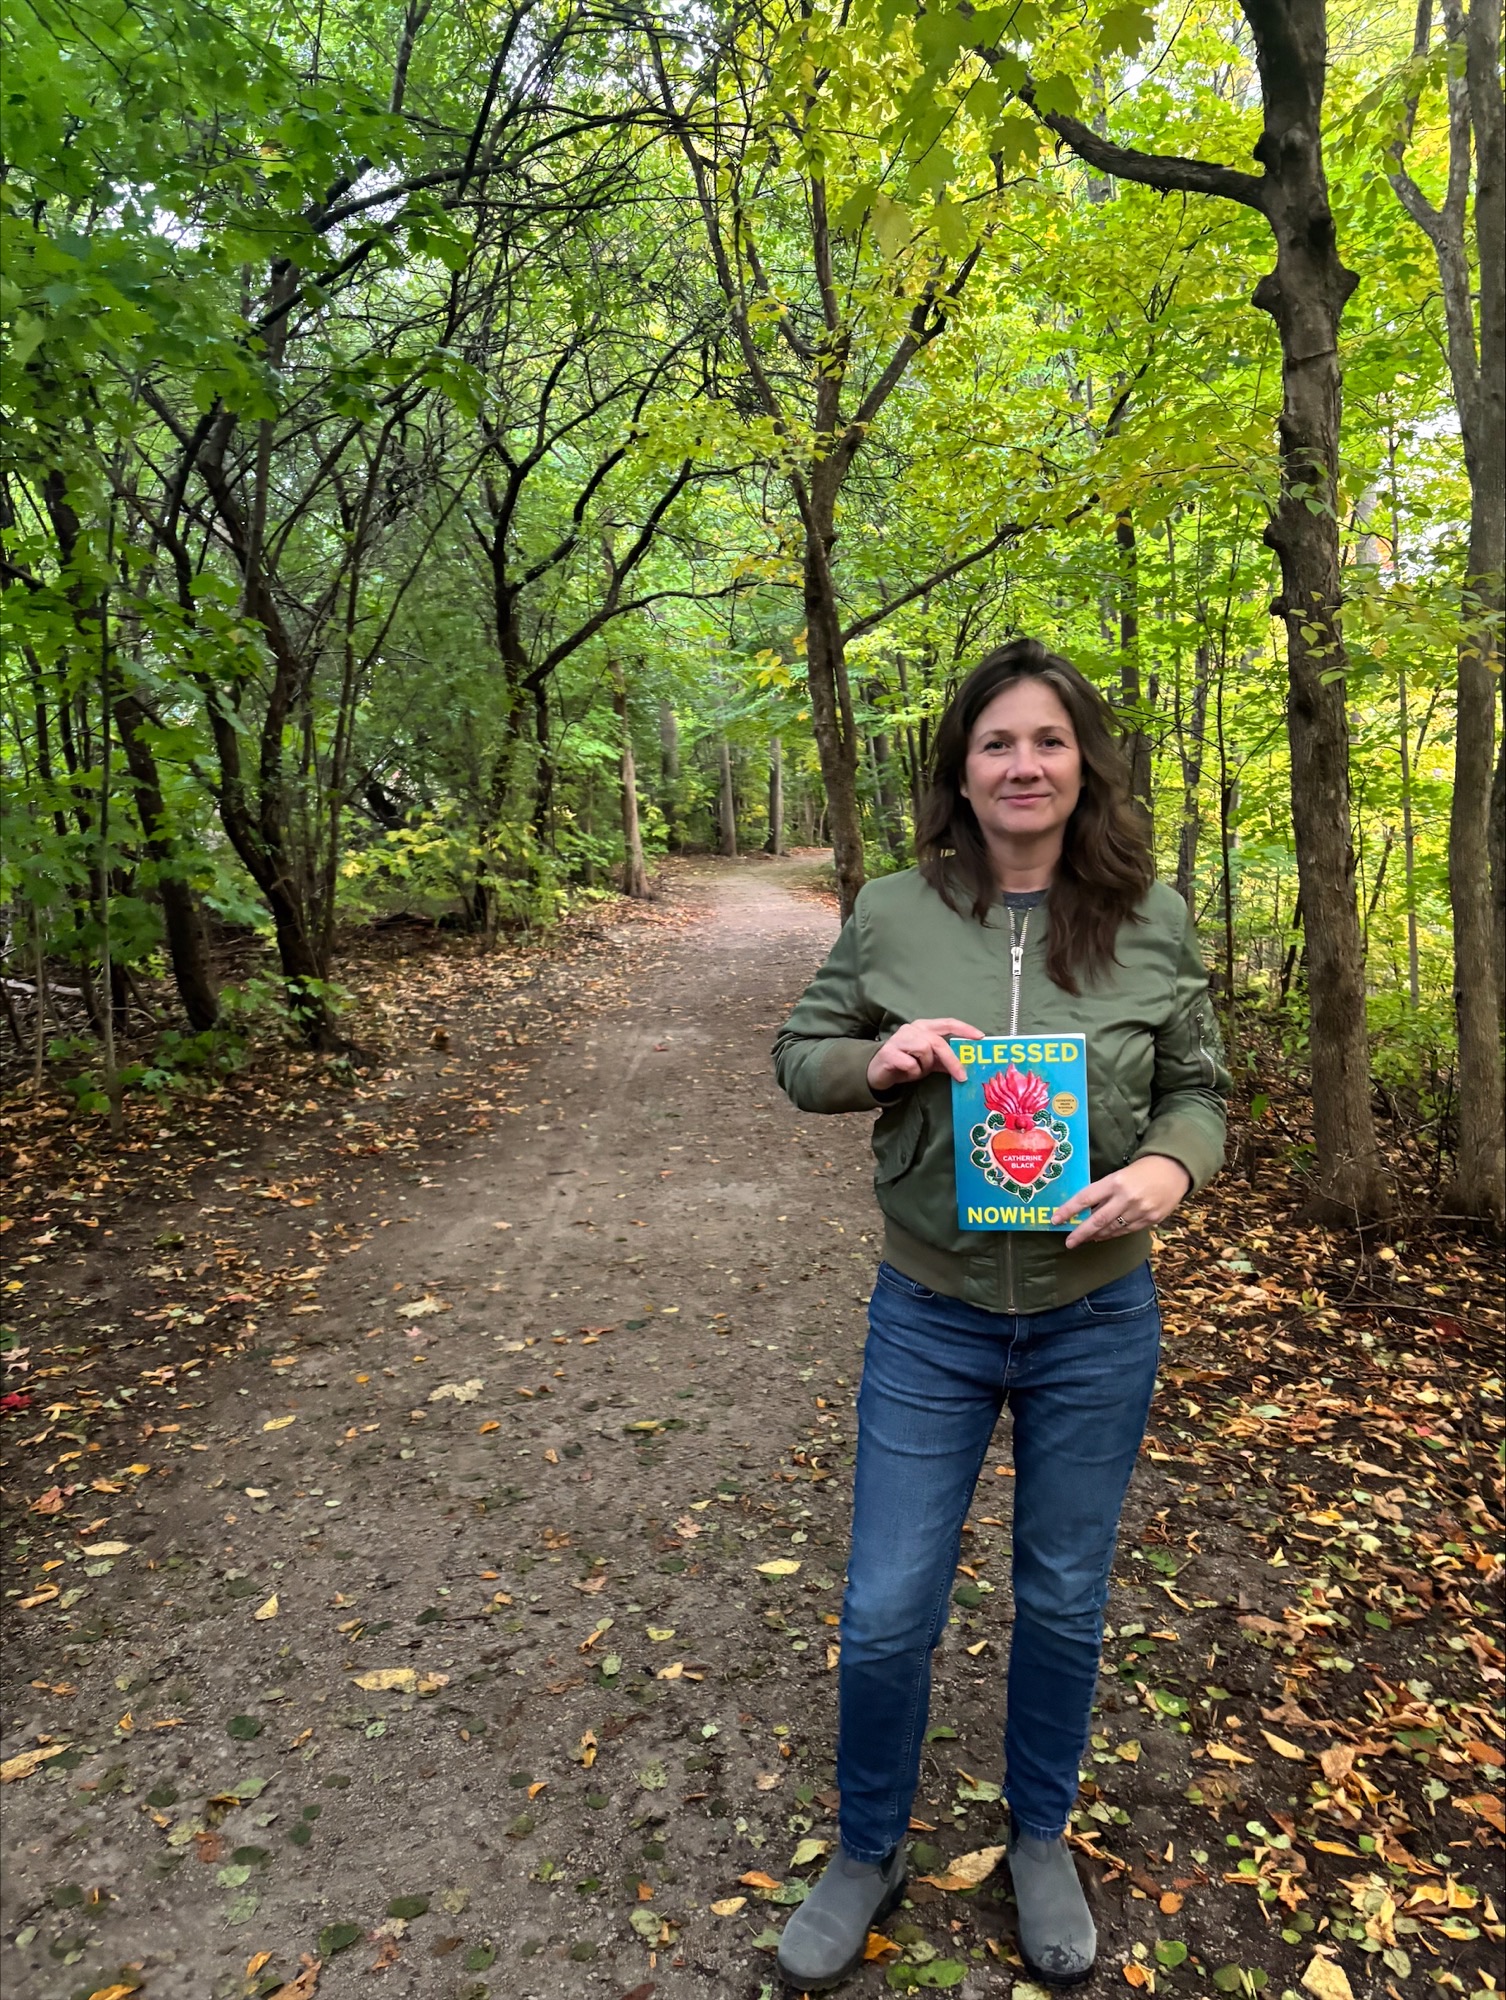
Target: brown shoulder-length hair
[1105,867]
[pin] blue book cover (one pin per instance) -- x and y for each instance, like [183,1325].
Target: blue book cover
[1020,1130]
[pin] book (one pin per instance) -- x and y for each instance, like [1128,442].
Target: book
[1020,1129]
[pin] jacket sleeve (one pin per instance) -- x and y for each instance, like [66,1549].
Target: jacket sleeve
[1190,1085]
[822,1053]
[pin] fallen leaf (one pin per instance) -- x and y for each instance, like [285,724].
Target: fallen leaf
[1483,1753]
[781,1566]
[422,1308]
[280,1424]
[268,1610]
[967,1870]
[1225,1753]
[460,1392]
[1327,1980]
[729,1906]
[810,1849]
[1169,1903]
[1284,1748]
[27,1761]
[115,1992]
[1337,1761]
[388,1680]
[756,1879]
[1336,1847]
[256,1961]
[124,1548]
[1136,1975]
[1487,1806]
[303,1985]
[878,1946]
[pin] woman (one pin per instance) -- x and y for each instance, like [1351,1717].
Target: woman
[1033,909]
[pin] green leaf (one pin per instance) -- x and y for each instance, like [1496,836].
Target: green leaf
[891,224]
[1124,29]
[244,1727]
[408,1907]
[338,1937]
[1170,1952]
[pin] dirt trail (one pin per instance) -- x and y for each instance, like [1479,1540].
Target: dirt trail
[570,1497]
[657,1186]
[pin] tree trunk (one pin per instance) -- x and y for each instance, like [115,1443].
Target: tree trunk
[1191,748]
[182,912]
[1136,741]
[726,804]
[634,874]
[1305,296]
[775,841]
[831,712]
[1475,317]
[1409,846]
[669,774]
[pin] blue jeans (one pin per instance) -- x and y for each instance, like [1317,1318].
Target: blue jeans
[936,1372]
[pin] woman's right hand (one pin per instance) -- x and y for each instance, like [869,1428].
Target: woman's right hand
[915,1050]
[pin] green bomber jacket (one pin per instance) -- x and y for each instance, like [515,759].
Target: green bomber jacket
[1156,1077]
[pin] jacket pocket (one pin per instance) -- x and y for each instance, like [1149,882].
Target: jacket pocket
[896,1140]
[1111,1128]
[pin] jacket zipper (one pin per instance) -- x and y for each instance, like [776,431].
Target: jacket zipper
[1016,967]
[1016,974]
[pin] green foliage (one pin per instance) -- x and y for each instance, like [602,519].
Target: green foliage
[382,487]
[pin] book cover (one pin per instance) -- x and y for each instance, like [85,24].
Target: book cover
[1020,1130]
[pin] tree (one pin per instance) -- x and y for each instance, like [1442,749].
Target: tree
[1305,295]
[1475,316]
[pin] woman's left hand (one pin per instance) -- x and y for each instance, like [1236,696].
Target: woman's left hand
[1136,1197]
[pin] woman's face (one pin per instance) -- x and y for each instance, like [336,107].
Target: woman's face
[1023,773]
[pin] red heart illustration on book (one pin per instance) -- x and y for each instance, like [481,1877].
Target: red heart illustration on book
[1024,1156]
[1023,1149]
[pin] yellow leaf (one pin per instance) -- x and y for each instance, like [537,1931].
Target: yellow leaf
[1225,1753]
[388,1680]
[671,1673]
[878,1946]
[268,1610]
[729,1906]
[1327,1980]
[1335,1847]
[756,1879]
[431,1683]
[551,1456]
[491,1424]
[782,1566]
[661,1632]
[256,1961]
[1283,1748]
[278,1423]
[968,1870]
[107,1548]
[116,1992]
[1138,1975]
[27,1761]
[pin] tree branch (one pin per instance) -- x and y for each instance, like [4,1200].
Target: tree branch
[1167,171]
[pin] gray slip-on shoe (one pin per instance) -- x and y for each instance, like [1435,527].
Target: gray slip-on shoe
[1058,1939]
[823,1941]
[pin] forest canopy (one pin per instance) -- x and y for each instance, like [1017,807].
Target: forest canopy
[455,455]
